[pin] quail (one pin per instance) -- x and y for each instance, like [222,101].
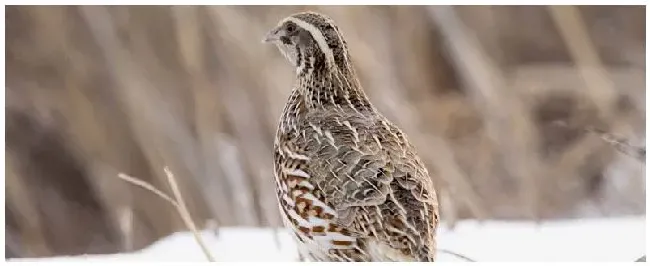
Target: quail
[350,185]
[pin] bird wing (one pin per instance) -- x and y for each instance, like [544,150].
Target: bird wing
[371,176]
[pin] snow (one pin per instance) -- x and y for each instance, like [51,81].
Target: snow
[603,240]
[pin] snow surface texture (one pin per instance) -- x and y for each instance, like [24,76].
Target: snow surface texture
[603,240]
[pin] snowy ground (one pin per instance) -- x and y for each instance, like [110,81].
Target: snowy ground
[606,240]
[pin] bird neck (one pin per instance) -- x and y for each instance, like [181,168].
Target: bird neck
[326,85]
[324,88]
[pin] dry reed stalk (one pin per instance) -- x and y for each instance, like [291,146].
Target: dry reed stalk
[32,228]
[193,47]
[449,212]
[179,204]
[125,216]
[457,182]
[243,105]
[583,51]
[489,90]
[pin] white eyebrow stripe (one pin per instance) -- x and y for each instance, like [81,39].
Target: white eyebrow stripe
[318,37]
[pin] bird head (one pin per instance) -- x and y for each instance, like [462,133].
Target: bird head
[308,38]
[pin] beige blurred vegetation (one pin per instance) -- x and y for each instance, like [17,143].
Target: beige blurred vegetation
[95,91]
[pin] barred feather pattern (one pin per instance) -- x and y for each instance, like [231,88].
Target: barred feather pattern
[350,186]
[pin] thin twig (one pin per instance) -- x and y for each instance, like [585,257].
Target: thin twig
[179,204]
[458,255]
[147,186]
[621,144]
[185,214]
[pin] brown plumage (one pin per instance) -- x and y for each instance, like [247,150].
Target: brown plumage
[350,185]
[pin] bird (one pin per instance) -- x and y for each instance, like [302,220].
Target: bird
[350,186]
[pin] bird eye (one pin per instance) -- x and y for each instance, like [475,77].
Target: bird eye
[290,28]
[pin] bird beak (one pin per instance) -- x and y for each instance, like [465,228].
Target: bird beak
[271,36]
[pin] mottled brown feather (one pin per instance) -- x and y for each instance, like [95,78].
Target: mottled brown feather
[350,185]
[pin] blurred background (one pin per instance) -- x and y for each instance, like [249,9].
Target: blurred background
[96,91]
